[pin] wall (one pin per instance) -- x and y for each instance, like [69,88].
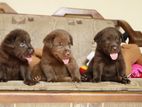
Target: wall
[129,10]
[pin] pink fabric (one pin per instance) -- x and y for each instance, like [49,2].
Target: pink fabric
[136,71]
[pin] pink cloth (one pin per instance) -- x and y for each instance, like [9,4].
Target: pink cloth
[136,71]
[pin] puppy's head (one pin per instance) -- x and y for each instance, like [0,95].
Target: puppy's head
[59,44]
[17,44]
[108,41]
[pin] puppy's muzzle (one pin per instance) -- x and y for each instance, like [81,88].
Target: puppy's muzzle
[114,47]
[67,51]
[30,50]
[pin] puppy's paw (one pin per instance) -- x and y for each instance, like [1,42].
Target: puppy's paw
[30,82]
[84,78]
[37,78]
[125,80]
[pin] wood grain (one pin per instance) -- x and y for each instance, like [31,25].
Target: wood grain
[67,97]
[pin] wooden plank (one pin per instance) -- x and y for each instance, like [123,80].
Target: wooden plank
[67,97]
[6,105]
[43,105]
[123,104]
[45,92]
[134,86]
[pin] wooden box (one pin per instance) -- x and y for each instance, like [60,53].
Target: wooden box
[83,31]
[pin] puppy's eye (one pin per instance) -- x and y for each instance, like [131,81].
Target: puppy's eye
[22,44]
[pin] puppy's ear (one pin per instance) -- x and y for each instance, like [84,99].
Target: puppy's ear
[98,36]
[9,40]
[48,40]
[71,39]
[124,36]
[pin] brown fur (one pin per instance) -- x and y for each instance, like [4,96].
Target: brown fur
[14,50]
[102,67]
[51,67]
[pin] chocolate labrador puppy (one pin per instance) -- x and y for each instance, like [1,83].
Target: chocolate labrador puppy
[57,63]
[108,63]
[15,52]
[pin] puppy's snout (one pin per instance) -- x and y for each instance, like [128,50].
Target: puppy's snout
[114,47]
[31,50]
[67,53]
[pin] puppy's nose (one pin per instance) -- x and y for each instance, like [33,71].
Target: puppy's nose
[67,53]
[114,47]
[31,50]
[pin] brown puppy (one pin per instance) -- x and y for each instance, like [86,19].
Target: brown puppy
[108,63]
[15,52]
[57,62]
